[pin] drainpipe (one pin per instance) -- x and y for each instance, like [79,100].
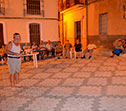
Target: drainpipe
[86,3]
[62,28]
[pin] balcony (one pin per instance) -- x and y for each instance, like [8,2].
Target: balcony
[69,3]
[2,10]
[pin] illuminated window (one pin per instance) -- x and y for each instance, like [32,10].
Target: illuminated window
[103,22]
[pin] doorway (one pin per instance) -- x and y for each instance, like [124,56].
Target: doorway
[1,35]
[78,31]
[34,29]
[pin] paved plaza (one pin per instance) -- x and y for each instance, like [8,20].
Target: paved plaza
[98,84]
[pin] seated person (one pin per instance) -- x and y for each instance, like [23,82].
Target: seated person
[3,53]
[90,48]
[50,48]
[42,48]
[35,49]
[78,49]
[118,49]
[124,46]
[59,49]
[27,50]
[67,47]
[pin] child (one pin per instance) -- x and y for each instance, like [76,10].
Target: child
[67,47]
[78,48]
[59,50]
[3,53]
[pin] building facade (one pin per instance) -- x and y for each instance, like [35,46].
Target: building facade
[102,21]
[72,21]
[35,20]
[106,21]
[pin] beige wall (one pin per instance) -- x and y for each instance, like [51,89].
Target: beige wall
[116,23]
[15,21]
[70,16]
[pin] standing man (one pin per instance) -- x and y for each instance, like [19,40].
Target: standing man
[14,60]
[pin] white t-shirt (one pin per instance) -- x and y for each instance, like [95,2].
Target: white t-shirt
[49,46]
[34,48]
[91,46]
[41,46]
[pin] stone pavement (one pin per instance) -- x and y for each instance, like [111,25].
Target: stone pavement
[98,84]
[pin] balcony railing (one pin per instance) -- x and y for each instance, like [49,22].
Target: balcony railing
[34,7]
[2,10]
[69,3]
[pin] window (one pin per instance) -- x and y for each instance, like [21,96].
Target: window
[34,7]
[103,21]
[2,9]
[34,30]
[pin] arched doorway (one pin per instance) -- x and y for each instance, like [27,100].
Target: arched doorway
[1,35]
[34,30]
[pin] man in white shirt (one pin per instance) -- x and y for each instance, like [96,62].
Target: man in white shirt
[34,47]
[90,48]
[14,60]
[50,48]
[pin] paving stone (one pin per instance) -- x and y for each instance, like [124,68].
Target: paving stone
[12,103]
[71,70]
[75,104]
[41,75]
[82,74]
[107,68]
[89,69]
[120,73]
[73,82]
[89,91]
[116,90]
[97,84]
[61,91]
[50,82]
[61,75]
[103,74]
[97,81]
[119,80]
[112,104]
[43,104]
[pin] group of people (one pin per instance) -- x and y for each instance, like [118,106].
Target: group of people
[13,53]
[42,49]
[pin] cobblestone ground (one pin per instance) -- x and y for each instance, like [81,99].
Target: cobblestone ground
[98,84]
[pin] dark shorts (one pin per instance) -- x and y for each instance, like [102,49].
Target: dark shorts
[59,52]
[78,50]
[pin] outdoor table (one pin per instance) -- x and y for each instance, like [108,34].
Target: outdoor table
[35,62]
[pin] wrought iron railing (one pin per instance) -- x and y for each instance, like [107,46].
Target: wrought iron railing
[69,3]
[2,10]
[34,9]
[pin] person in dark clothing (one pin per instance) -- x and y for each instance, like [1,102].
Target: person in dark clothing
[78,49]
